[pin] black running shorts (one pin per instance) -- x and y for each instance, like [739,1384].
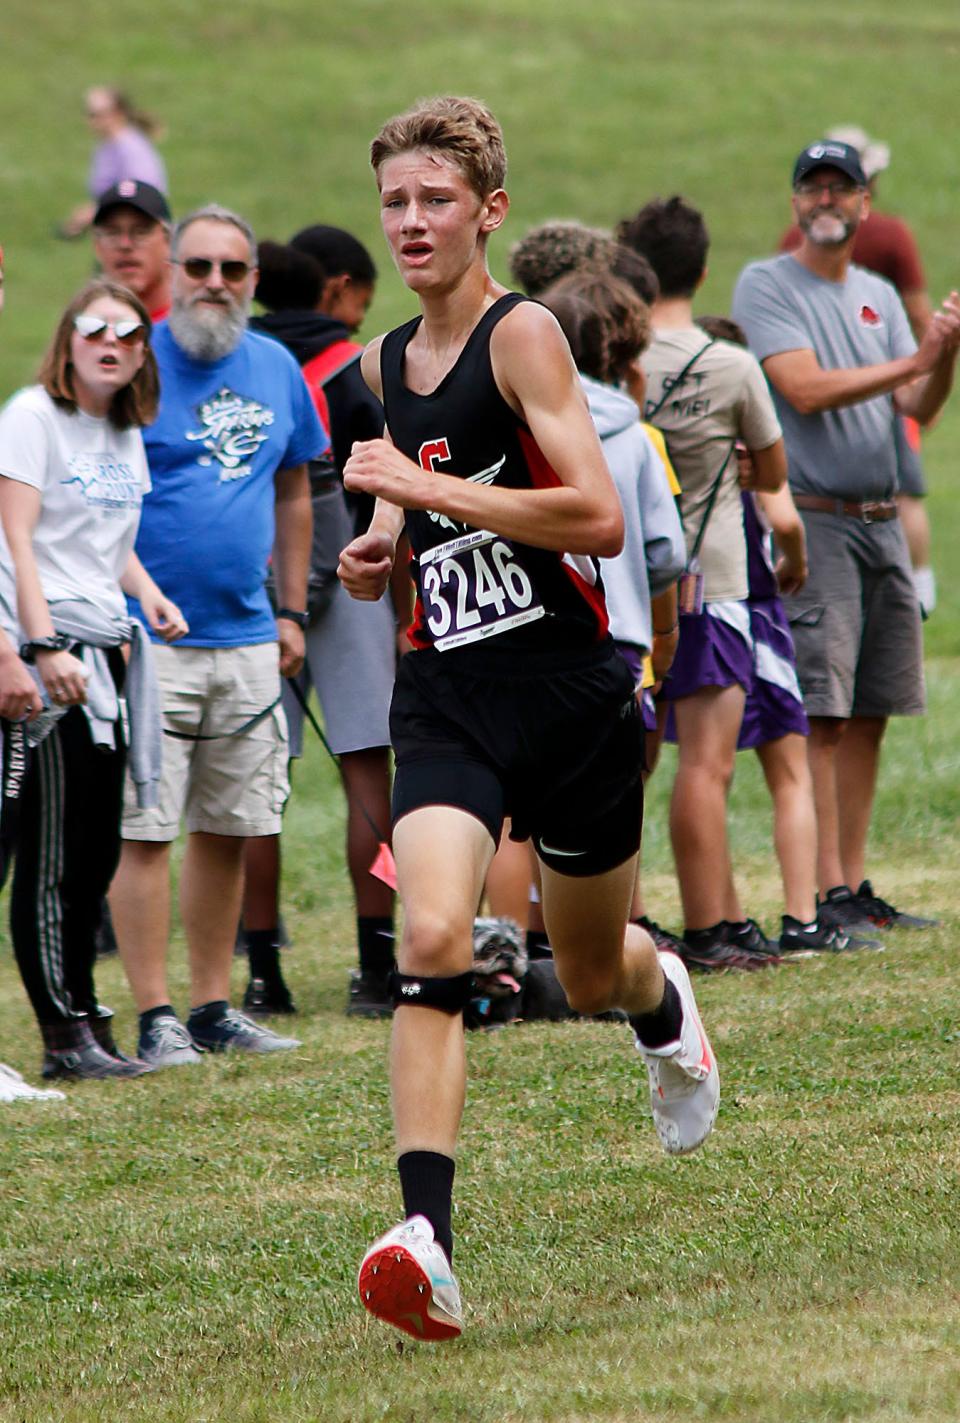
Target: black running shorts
[554,740]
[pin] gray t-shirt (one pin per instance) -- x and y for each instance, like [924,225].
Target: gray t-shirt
[848,453]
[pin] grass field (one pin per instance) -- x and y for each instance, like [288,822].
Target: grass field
[185,1247]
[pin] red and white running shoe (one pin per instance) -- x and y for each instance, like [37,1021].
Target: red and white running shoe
[684,1080]
[405,1279]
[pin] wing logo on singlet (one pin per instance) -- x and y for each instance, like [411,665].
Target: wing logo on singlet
[473,588]
[434,452]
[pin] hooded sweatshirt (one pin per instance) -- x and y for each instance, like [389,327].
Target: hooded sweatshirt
[355,412]
[654,552]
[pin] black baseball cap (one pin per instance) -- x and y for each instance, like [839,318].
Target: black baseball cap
[830,153]
[131,193]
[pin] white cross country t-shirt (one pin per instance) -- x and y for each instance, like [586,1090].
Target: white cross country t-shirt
[92,479]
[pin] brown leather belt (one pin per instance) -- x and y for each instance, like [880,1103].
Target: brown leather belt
[877,512]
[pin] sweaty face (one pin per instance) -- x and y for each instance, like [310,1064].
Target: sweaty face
[210,309]
[132,249]
[432,219]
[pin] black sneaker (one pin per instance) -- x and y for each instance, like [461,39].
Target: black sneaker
[266,998]
[232,1032]
[750,939]
[841,909]
[798,939]
[662,938]
[883,914]
[369,996]
[714,954]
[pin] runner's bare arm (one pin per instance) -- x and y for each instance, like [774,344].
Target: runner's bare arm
[536,375]
[370,366]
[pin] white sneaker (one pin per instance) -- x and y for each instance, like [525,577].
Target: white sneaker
[405,1279]
[14,1089]
[684,1081]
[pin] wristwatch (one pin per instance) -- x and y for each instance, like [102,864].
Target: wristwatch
[58,643]
[301,619]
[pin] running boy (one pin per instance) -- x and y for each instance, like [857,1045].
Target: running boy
[514,700]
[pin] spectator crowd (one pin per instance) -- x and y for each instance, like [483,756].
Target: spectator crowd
[173,510]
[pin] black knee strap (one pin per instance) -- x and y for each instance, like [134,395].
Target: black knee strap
[449,995]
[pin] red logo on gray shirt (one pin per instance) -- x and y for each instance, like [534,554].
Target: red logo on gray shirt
[869,317]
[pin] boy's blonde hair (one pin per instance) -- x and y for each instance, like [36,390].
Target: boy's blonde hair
[462,130]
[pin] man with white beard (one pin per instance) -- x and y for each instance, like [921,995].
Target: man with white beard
[835,344]
[228,462]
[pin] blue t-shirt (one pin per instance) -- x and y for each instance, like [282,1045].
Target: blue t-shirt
[223,430]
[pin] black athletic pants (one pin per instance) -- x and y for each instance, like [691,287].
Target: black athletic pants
[14,760]
[68,846]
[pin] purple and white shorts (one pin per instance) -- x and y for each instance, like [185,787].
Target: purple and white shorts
[774,702]
[715,650]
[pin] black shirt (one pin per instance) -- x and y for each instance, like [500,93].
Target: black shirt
[476,588]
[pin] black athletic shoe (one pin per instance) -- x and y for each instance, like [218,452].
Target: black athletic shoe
[714,955]
[841,908]
[662,938]
[369,996]
[883,914]
[820,938]
[267,997]
[750,939]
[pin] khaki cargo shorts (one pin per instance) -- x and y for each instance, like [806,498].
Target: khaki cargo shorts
[229,784]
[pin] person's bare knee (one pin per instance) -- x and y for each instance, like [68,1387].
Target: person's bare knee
[435,944]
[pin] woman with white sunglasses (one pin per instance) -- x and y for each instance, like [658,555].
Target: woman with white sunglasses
[73,474]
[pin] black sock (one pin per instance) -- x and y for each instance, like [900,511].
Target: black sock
[697,937]
[538,945]
[263,951]
[426,1179]
[664,1023]
[209,1012]
[376,944]
[165,1010]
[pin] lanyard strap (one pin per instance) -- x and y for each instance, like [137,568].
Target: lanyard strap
[711,500]
[223,735]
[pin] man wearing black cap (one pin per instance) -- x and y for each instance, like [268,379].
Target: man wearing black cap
[131,239]
[836,345]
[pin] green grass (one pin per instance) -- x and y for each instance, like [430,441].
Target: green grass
[185,1247]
